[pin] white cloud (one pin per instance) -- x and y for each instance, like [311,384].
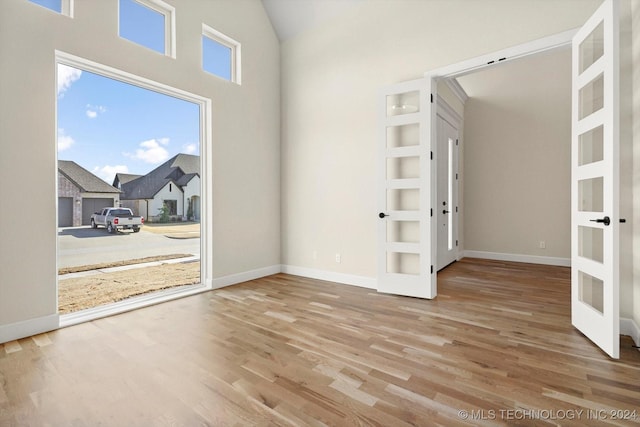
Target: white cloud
[64,141]
[151,151]
[108,173]
[66,76]
[93,110]
[189,148]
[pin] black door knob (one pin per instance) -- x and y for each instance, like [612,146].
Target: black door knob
[382,215]
[445,211]
[606,220]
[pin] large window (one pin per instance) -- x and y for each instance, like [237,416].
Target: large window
[220,54]
[123,141]
[150,23]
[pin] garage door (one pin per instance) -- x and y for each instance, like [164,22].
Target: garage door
[89,206]
[65,211]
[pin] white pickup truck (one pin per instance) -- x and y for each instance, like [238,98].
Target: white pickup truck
[114,219]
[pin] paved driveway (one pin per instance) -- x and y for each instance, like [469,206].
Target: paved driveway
[84,245]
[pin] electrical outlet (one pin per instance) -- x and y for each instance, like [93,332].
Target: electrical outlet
[543,244]
[338,258]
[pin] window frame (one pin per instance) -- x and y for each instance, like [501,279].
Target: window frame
[236,52]
[206,185]
[169,13]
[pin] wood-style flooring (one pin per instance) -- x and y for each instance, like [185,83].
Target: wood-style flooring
[495,348]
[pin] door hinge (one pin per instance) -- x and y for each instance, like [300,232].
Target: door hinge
[456,243]
[432,269]
[456,176]
[456,142]
[432,212]
[432,98]
[456,209]
[432,155]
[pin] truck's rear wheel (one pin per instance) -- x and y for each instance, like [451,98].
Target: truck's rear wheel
[110,228]
[136,229]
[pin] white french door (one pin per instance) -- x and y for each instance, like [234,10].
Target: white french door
[446,209]
[405,243]
[595,219]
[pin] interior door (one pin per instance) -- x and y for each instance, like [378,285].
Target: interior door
[447,193]
[595,181]
[405,265]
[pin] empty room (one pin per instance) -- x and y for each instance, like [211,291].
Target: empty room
[384,212]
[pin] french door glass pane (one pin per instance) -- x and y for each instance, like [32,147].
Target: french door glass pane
[403,231]
[590,243]
[590,146]
[403,103]
[403,136]
[590,195]
[591,291]
[592,48]
[403,263]
[403,200]
[403,167]
[591,97]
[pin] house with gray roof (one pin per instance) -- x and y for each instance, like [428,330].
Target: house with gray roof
[174,184]
[123,178]
[80,194]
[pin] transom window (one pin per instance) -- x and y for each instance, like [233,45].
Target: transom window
[150,23]
[220,54]
[63,7]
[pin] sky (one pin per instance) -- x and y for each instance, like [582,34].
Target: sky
[109,127]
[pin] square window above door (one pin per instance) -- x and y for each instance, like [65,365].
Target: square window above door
[220,55]
[149,23]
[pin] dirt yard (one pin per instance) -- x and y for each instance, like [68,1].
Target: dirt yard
[105,288]
[80,293]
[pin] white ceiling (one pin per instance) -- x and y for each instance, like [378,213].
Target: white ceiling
[291,17]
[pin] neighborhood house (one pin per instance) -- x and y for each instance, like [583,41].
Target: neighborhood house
[80,194]
[175,184]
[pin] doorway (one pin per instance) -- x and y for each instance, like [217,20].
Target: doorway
[447,191]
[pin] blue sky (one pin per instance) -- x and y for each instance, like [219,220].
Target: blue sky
[107,126]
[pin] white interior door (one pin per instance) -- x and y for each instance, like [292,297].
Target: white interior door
[405,265]
[595,301]
[446,209]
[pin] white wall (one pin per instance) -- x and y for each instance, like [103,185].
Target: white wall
[331,76]
[517,144]
[246,139]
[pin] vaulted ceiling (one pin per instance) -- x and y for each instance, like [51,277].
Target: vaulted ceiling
[291,17]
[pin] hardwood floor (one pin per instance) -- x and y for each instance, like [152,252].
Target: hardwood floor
[285,350]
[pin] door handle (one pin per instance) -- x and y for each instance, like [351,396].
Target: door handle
[606,220]
[445,211]
[382,215]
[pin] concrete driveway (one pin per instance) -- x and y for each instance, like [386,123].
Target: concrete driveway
[85,246]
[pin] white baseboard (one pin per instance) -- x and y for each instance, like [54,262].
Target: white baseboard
[531,259]
[332,276]
[631,328]
[245,276]
[27,328]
